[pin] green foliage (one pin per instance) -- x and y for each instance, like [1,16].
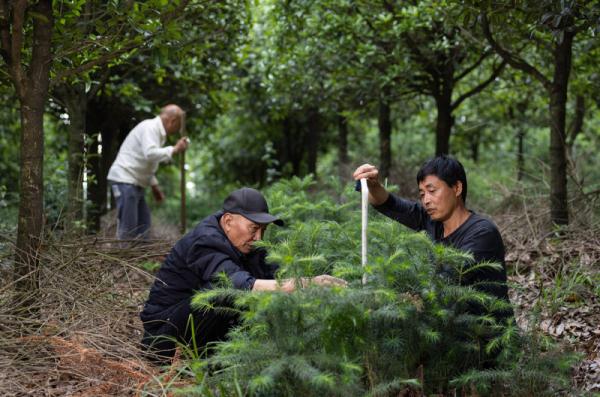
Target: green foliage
[8,213]
[55,162]
[150,266]
[532,366]
[364,339]
[568,288]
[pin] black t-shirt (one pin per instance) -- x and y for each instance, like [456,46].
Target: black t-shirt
[477,235]
[196,259]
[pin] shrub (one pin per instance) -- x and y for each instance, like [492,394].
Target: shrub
[407,327]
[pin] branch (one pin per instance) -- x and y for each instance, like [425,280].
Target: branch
[110,56]
[57,96]
[14,40]
[420,58]
[41,53]
[389,7]
[512,59]
[81,46]
[18,21]
[101,83]
[419,84]
[175,12]
[473,66]
[93,63]
[481,86]
[539,42]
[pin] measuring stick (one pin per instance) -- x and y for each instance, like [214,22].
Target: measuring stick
[364,194]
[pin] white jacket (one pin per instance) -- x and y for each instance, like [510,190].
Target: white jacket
[140,154]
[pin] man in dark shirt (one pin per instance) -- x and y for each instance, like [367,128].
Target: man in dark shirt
[442,214]
[221,243]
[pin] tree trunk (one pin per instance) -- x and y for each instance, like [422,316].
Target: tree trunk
[342,145]
[385,137]
[313,135]
[110,149]
[32,89]
[520,153]
[111,130]
[516,121]
[559,212]
[290,145]
[97,169]
[445,121]
[96,190]
[31,203]
[76,103]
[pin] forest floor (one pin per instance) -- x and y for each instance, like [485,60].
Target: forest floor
[555,287]
[86,326]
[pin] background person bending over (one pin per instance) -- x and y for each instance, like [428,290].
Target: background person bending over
[221,243]
[442,214]
[135,166]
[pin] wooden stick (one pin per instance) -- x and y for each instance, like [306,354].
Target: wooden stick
[182,180]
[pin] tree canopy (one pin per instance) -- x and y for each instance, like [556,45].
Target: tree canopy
[291,96]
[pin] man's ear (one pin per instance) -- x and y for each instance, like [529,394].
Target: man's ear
[458,188]
[226,219]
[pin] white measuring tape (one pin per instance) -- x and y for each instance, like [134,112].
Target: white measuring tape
[364,193]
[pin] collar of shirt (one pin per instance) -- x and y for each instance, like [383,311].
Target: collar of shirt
[163,132]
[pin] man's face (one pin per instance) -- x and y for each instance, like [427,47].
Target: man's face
[173,125]
[439,199]
[242,232]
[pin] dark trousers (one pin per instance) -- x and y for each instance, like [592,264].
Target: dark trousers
[182,324]
[133,214]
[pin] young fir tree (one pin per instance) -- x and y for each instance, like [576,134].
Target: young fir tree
[409,327]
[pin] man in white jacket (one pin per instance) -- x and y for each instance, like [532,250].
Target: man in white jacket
[133,169]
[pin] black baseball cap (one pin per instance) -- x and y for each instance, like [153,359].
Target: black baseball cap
[251,204]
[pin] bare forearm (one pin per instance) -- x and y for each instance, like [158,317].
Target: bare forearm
[272,285]
[377,194]
[290,284]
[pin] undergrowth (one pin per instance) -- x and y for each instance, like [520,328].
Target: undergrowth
[407,328]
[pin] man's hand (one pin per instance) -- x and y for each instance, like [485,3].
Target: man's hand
[327,280]
[377,193]
[181,145]
[290,284]
[159,196]
[368,172]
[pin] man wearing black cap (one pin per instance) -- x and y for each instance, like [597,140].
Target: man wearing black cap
[221,243]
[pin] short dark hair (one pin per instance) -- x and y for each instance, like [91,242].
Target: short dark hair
[448,169]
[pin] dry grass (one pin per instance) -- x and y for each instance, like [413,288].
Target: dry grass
[83,341]
[83,338]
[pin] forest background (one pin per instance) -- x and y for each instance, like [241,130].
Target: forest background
[274,90]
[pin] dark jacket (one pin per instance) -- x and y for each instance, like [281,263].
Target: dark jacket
[477,236]
[195,260]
